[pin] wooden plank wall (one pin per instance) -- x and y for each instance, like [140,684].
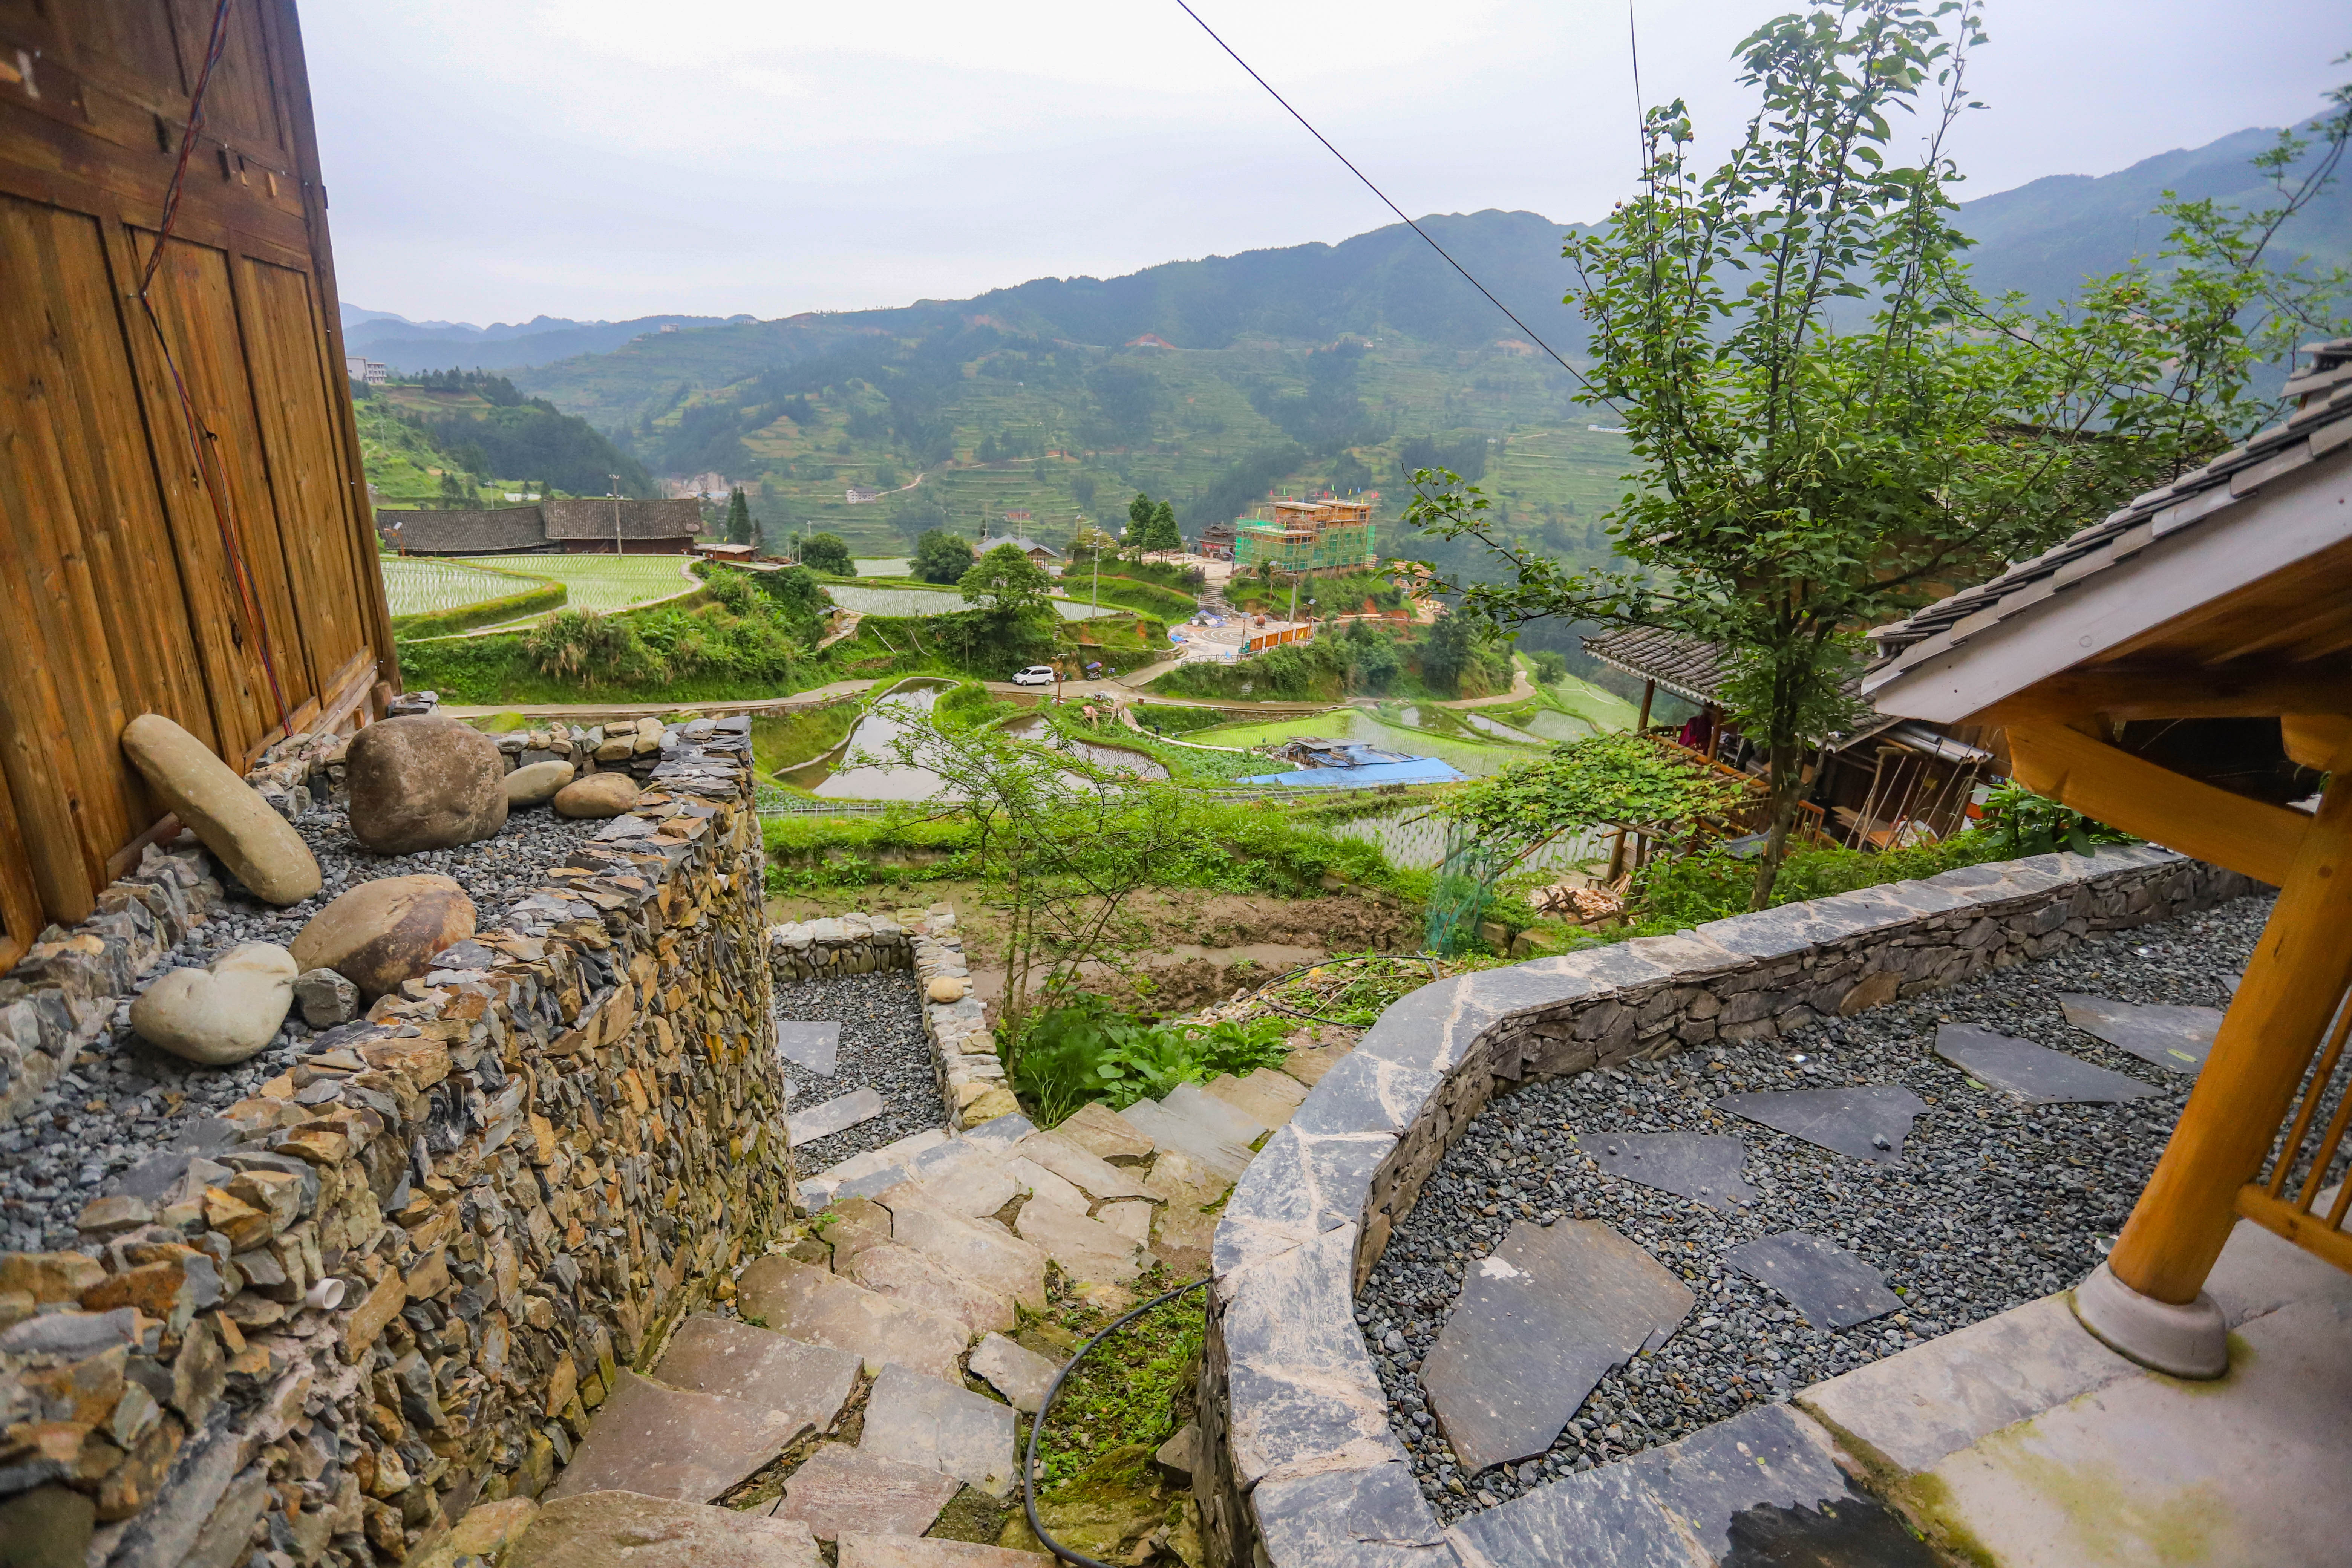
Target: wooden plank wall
[118,595]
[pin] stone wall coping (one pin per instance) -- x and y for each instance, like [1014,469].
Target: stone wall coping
[1306,1465]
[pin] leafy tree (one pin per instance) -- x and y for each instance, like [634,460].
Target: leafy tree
[1550,667]
[1448,653]
[1602,780]
[1138,519]
[1007,583]
[827,552]
[739,518]
[1160,532]
[941,556]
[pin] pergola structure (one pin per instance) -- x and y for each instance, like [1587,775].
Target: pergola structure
[2183,670]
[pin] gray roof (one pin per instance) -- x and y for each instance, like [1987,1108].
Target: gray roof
[591,517]
[1686,666]
[481,531]
[1025,544]
[2322,426]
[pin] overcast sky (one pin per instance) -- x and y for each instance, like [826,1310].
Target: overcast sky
[493,160]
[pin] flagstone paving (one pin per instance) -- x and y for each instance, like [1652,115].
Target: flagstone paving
[836,1116]
[1014,1371]
[813,1305]
[1869,1121]
[903,1552]
[1705,1167]
[666,1442]
[2166,1033]
[720,1355]
[626,1530]
[1823,1280]
[921,1420]
[840,1488]
[2035,1074]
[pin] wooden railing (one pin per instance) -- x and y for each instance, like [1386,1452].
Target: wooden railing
[1754,814]
[2289,1199]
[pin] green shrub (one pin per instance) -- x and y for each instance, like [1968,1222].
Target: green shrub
[1685,891]
[968,705]
[1550,667]
[588,647]
[828,553]
[2029,824]
[1083,1051]
[1169,719]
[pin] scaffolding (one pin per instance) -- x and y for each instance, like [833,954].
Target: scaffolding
[1308,536]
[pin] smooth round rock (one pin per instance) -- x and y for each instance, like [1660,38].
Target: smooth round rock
[536,783]
[226,814]
[383,933]
[423,783]
[945,988]
[598,794]
[221,1015]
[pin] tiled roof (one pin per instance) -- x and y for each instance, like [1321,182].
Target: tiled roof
[472,531]
[1686,666]
[2322,428]
[1024,544]
[591,517]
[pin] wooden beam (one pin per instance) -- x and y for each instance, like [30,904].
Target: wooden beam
[2135,795]
[2310,1232]
[2182,691]
[2313,738]
[2293,984]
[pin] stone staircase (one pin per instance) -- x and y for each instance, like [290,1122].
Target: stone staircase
[920,1256]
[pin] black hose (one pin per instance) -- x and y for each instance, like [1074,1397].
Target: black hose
[1029,1460]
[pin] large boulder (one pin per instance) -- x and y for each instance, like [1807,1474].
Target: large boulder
[535,783]
[384,932]
[223,1014]
[424,783]
[228,815]
[598,794]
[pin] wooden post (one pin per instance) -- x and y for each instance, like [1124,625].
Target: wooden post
[1649,692]
[2293,985]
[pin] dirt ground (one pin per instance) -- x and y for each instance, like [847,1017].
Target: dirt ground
[1202,946]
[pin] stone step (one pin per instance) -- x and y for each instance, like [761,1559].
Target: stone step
[906,1275]
[836,1115]
[1097,1129]
[663,1442]
[718,1355]
[867,1174]
[1087,1250]
[1190,1099]
[629,1530]
[839,1488]
[980,1250]
[1188,1189]
[906,1552]
[1090,1174]
[1014,1371]
[823,1309]
[1265,1095]
[1214,1153]
[920,1420]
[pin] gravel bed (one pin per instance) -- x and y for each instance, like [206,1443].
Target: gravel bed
[1996,1203]
[882,1048]
[124,1100]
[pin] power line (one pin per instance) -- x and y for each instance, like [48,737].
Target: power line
[1390,204]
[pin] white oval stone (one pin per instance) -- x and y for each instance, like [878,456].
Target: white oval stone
[221,1015]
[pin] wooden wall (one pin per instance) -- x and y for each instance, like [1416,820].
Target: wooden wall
[117,596]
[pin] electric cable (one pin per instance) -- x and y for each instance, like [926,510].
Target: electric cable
[1582,378]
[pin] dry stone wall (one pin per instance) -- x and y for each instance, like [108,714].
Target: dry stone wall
[1300,1468]
[397,1279]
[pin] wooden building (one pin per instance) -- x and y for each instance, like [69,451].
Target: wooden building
[580,525]
[184,525]
[2183,669]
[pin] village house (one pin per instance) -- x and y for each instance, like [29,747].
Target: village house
[585,525]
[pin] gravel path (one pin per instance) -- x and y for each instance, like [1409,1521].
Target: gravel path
[59,1154]
[882,1048]
[1996,1203]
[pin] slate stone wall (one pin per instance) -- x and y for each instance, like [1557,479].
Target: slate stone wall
[971,1077]
[1301,1469]
[520,1172]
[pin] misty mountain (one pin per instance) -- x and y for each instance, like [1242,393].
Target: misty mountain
[412,346]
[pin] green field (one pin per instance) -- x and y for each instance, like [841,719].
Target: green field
[417,587]
[606,583]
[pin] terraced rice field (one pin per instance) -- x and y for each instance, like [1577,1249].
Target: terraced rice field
[606,583]
[417,587]
[936,602]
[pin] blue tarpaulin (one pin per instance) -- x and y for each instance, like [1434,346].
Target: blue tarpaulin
[1411,770]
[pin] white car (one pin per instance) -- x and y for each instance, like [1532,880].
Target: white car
[1036,675]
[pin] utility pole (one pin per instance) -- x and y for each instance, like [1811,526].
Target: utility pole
[617,511]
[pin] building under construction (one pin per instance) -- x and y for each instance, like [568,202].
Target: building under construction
[1308,536]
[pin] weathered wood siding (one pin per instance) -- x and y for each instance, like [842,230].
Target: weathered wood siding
[117,592]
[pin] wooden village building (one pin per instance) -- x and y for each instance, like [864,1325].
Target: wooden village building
[2183,670]
[1886,780]
[580,525]
[185,527]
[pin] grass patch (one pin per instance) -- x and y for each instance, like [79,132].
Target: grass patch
[1125,1399]
[1174,720]
[784,740]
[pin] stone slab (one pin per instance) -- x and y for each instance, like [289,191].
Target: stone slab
[1097,1129]
[813,1305]
[1085,1249]
[1042,1182]
[627,1530]
[980,1250]
[2246,1470]
[1192,1100]
[1602,1517]
[1014,1371]
[1939,1397]
[839,1488]
[1265,1095]
[719,1355]
[964,1177]
[1307,1064]
[921,1420]
[1766,1456]
[2169,1035]
[1831,1285]
[905,1552]
[1170,1131]
[1090,1174]
[1371,1516]
[1131,1217]
[815,1046]
[906,1275]
[1701,1165]
[1000,1132]
[1869,1121]
[2035,1074]
[836,1115]
[1540,1321]
[666,1442]
[853,1225]
[891,1161]
[1186,1226]
[2259,1272]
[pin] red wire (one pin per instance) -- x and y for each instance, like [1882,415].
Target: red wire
[210,472]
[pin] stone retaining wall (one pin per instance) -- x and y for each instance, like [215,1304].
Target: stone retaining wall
[1300,1468]
[963,1052]
[397,1279]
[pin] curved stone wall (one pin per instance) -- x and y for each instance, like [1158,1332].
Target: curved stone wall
[1302,1469]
